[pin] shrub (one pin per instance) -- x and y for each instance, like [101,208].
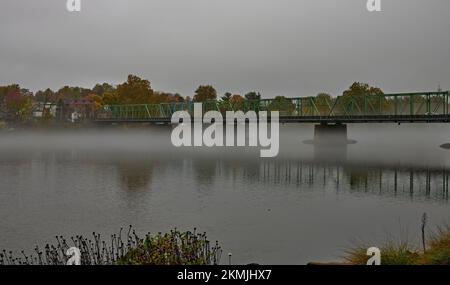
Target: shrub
[174,248]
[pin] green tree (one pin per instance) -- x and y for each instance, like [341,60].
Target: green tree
[253,96]
[205,93]
[282,104]
[226,97]
[224,103]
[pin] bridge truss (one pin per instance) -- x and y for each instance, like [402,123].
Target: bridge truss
[399,107]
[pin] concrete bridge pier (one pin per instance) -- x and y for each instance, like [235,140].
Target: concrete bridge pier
[330,142]
[327,134]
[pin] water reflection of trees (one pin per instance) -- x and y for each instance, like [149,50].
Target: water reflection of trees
[205,171]
[212,173]
[134,171]
[135,176]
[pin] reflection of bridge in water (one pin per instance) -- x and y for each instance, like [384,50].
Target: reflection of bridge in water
[402,181]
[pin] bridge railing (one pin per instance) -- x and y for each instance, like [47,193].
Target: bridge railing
[400,104]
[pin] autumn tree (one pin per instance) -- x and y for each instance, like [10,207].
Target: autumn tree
[359,89]
[165,97]
[205,93]
[97,100]
[110,98]
[45,96]
[175,98]
[101,89]
[5,90]
[17,105]
[68,92]
[135,91]
[353,98]
[237,102]
[323,103]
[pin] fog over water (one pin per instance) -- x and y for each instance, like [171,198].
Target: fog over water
[407,144]
[307,204]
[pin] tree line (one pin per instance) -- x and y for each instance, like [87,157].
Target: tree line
[18,102]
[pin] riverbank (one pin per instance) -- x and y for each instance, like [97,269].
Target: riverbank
[437,252]
[192,248]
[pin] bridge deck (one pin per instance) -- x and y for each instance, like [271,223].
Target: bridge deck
[315,119]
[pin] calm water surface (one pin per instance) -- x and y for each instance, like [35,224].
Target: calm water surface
[307,204]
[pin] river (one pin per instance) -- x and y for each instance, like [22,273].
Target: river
[307,204]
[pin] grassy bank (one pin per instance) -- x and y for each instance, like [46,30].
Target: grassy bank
[192,248]
[435,252]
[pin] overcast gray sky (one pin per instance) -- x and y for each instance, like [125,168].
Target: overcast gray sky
[279,47]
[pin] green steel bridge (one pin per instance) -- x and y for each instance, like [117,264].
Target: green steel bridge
[398,108]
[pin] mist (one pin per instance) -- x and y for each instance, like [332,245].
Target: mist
[386,144]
